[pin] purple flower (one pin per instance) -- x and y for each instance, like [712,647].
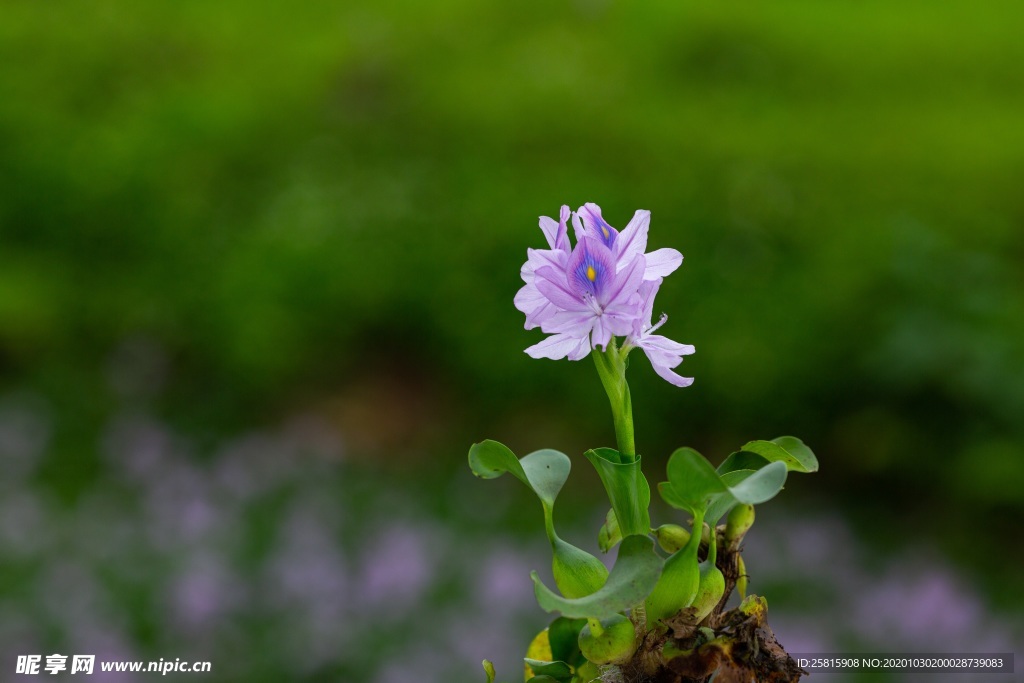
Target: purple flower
[663,353]
[604,287]
[661,263]
[594,300]
[528,299]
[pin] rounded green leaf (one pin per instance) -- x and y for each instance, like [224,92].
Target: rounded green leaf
[544,471]
[636,571]
[721,503]
[627,488]
[767,482]
[799,450]
[547,471]
[788,449]
[762,485]
[490,459]
[692,481]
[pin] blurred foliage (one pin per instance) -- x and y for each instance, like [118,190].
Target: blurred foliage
[259,209]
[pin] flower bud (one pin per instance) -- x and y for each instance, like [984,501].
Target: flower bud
[671,537]
[741,580]
[610,534]
[710,589]
[741,518]
[610,641]
[711,585]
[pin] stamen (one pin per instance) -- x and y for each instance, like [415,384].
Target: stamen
[661,321]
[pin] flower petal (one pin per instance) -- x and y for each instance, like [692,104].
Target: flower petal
[549,227]
[662,263]
[578,228]
[540,258]
[633,238]
[657,342]
[624,285]
[556,347]
[556,233]
[596,226]
[601,335]
[578,323]
[648,290]
[552,286]
[665,355]
[669,376]
[590,269]
[535,305]
[582,349]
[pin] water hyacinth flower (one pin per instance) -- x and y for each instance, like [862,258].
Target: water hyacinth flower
[603,287]
[593,300]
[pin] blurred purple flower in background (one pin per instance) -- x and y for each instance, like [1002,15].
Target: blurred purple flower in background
[275,544]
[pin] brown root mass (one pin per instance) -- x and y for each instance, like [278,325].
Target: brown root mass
[737,644]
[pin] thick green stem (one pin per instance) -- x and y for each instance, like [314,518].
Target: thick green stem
[611,368]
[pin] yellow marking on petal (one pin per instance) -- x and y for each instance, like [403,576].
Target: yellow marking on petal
[606,233]
[591,273]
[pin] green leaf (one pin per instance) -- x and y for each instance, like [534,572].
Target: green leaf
[609,535]
[557,670]
[799,450]
[577,572]
[491,459]
[692,481]
[746,486]
[636,571]
[742,460]
[762,485]
[788,449]
[546,471]
[563,635]
[722,503]
[627,488]
[543,679]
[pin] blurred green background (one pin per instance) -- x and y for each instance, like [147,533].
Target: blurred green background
[224,225]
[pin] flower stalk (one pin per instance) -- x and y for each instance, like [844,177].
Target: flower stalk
[611,368]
